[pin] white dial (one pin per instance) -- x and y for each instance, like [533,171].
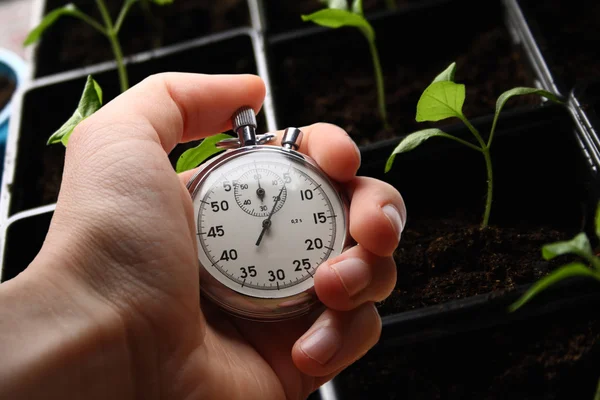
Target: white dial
[265,221]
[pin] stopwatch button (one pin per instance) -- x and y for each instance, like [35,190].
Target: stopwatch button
[244,116]
[292,137]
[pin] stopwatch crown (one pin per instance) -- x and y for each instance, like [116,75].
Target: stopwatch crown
[244,116]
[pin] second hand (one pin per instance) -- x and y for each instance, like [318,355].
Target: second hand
[267,222]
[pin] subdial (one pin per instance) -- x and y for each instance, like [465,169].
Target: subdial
[256,192]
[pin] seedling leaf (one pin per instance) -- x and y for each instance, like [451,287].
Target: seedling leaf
[441,100]
[162,2]
[195,156]
[334,18]
[520,91]
[579,245]
[447,74]
[89,103]
[48,21]
[357,7]
[336,4]
[564,272]
[412,141]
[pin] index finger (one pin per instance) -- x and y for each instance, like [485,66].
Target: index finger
[329,145]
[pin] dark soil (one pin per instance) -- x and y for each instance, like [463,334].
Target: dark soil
[7,88]
[550,358]
[439,260]
[285,16]
[569,38]
[71,44]
[329,76]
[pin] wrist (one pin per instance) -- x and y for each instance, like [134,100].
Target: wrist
[58,338]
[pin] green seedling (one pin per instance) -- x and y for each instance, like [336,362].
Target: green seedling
[195,156]
[578,246]
[338,15]
[588,267]
[89,103]
[108,28]
[443,99]
[91,98]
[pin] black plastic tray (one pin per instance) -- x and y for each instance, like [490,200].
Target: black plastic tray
[542,176]
[38,167]
[191,19]
[297,58]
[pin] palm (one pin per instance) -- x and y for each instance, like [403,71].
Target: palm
[254,360]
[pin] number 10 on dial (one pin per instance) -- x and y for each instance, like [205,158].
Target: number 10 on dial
[266,218]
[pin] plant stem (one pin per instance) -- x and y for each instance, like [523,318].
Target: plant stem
[490,186]
[485,149]
[114,42]
[90,21]
[391,4]
[474,132]
[123,79]
[122,14]
[380,86]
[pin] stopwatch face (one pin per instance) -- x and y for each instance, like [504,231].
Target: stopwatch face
[266,219]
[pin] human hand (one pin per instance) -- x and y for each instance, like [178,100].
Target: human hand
[119,269]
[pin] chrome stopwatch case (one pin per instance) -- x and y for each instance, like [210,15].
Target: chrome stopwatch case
[266,217]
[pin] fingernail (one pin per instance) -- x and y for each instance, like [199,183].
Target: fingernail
[393,215]
[322,344]
[354,273]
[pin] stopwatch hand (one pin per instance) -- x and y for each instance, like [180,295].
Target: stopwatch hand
[267,222]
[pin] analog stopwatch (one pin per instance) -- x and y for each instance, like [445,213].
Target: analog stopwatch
[266,218]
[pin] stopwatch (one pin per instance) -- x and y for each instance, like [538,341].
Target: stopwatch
[266,218]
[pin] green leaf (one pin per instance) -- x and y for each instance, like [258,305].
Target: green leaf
[441,100]
[579,245]
[48,21]
[597,221]
[336,4]
[195,156]
[89,103]
[357,7]
[162,2]
[332,18]
[564,272]
[447,74]
[412,141]
[520,91]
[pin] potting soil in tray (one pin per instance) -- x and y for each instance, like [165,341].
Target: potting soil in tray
[329,76]
[7,88]
[71,43]
[439,260]
[550,358]
[443,254]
